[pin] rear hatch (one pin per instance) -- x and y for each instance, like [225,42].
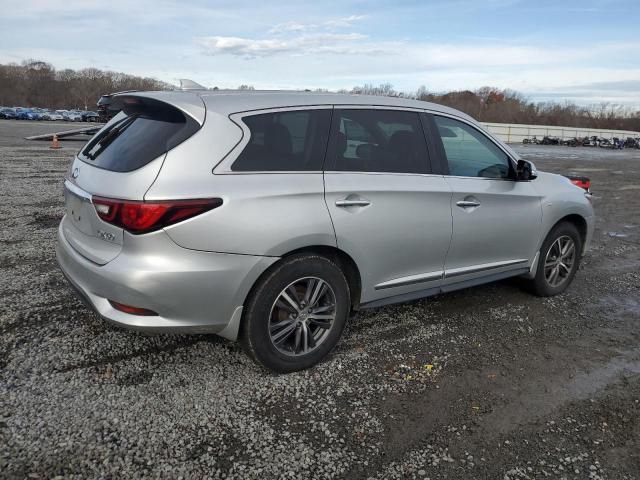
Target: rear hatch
[121,162]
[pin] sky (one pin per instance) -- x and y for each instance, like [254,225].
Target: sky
[584,51]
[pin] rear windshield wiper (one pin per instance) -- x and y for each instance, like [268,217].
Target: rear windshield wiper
[91,152]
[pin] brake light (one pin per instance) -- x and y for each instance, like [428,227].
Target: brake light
[582,182]
[143,217]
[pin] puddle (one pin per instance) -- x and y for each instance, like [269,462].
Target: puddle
[585,385]
[551,393]
[617,234]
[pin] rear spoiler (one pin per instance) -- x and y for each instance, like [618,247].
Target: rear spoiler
[188,103]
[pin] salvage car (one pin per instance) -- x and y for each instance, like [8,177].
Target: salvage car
[7,113]
[272,217]
[88,116]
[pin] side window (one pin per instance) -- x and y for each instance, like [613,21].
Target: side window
[470,153]
[372,140]
[285,141]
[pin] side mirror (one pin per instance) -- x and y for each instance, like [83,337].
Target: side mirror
[526,171]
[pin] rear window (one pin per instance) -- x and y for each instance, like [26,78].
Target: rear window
[147,130]
[294,140]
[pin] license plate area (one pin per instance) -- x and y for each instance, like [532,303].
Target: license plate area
[83,217]
[79,210]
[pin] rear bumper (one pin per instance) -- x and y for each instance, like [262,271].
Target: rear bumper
[192,291]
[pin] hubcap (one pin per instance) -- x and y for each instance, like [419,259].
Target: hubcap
[302,316]
[559,261]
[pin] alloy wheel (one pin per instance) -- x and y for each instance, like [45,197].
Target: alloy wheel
[559,261]
[302,316]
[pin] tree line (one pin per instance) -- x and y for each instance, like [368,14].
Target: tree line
[489,104]
[34,83]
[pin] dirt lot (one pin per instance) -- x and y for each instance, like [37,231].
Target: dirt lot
[519,386]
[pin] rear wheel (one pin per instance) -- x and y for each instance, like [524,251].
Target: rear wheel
[558,260]
[296,313]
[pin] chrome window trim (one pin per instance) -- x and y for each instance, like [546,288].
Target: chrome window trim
[403,174]
[271,172]
[360,106]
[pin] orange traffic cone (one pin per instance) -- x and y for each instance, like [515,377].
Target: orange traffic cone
[55,143]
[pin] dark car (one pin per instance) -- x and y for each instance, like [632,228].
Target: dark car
[8,113]
[90,117]
[26,114]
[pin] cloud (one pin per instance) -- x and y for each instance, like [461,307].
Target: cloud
[615,85]
[292,27]
[301,45]
[331,24]
[292,37]
[242,47]
[443,44]
[344,22]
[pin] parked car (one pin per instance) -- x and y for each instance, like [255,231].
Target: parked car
[266,226]
[90,117]
[45,115]
[26,114]
[107,110]
[53,115]
[64,113]
[74,116]
[550,140]
[7,113]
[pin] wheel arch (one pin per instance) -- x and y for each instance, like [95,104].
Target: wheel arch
[577,221]
[339,257]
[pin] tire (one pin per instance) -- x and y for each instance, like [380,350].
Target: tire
[281,349]
[545,284]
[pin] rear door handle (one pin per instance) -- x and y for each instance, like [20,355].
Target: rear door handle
[468,203]
[352,203]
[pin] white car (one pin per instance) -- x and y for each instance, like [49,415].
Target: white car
[51,115]
[74,116]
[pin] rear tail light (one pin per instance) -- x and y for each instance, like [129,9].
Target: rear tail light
[144,217]
[582,182]
[133,310]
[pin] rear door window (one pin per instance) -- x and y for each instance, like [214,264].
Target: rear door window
[293,140]
[144,131]
[376,140]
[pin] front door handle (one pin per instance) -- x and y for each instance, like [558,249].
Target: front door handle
[347,202]
[468,203]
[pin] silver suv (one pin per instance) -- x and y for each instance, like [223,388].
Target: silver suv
[273,216]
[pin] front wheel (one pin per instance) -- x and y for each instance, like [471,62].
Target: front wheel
[296,314]
[558,260]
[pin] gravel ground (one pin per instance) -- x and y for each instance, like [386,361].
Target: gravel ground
[488,382]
